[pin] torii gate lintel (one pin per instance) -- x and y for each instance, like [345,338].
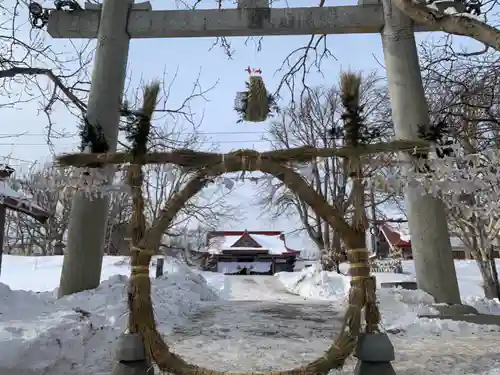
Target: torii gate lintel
[367,18]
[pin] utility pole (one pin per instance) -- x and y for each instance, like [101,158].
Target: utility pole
[430,240]
[83,257]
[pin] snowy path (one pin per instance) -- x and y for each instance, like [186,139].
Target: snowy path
[260,288]
[282,331]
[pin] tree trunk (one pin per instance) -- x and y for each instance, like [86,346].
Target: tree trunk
[327,259]
[494,272]
[337,251]
[489,284]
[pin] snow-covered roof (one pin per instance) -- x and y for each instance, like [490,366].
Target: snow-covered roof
[404,233]
[227,241]
[274,244]
[16,200]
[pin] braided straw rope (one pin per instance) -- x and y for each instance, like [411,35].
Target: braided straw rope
[361,294]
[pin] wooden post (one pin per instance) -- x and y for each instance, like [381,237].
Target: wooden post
[159,267]
[374,219]
[3,213]
[59,248]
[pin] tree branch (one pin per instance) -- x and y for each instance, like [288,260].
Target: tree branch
[453,24]
[12,72]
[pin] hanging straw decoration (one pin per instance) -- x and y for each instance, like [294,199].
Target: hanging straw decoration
[353,126]
[256,105]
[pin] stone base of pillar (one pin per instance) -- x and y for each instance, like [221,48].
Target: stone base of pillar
[375,353]
[462,313]
[455,309]
[131,357]
[450,311]
[132,368]
[372,368]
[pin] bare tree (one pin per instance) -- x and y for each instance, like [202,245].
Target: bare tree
[463,103]
[189,246]
[50,188]
[15,241]
[177,127]
[460,23]
[312,124]
[462,92]
[211,208]
[73,278]
[118,222]
[295,67]
[32,70]
[32,237]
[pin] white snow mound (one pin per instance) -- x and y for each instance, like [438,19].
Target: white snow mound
[312,282]
[75,335]
[219,283]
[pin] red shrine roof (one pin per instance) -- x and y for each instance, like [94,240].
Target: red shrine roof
[397,237]
[248,242]
[393,237]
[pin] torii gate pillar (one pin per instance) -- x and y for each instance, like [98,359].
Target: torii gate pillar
[87,225]
[427,219]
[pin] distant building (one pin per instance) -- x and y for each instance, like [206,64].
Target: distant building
[249,252]
[391,241]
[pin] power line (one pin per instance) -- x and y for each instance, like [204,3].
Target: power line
[180,133]
[15,159]
[172,142]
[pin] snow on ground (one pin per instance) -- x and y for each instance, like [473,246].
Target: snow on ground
[400,308]
[312,283]
[40,334]
[257,288]
[219,320]
[218,282]
[41,274]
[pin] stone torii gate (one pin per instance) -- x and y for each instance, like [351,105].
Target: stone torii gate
[115,22]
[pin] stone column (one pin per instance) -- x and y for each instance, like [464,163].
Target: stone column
[435,268]
[83,257]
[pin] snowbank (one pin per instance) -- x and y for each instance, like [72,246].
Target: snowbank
[311,282]
[42,273]
[400,308]
[75,335]
[219,283]
[469,283]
